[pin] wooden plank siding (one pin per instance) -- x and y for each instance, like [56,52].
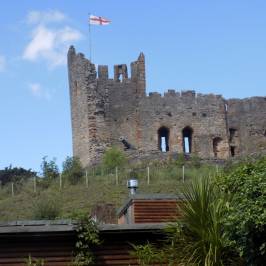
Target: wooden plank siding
[56,249]
[155,211]
[117,248]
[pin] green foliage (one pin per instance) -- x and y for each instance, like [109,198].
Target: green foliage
[245,222]
[199,238]
[34,262]
[181,160]
[49,168]
[46,208]
[88,236]
[15,174]
[114,157]
[72,170]
[147,254]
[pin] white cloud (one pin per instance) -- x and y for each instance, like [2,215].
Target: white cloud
[49,43]
[2,63]
[35,17]
[39,92]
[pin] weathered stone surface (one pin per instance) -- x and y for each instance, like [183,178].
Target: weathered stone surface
[105,111]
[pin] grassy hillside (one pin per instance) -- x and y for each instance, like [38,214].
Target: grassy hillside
[101,187]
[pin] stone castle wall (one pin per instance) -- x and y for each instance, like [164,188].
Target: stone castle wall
[107,112]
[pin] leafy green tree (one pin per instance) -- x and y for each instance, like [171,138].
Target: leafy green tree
[114,157]
[49,168]
[245,222]
[15,174]
[72,170]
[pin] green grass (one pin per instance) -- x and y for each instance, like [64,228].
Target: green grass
[101,188]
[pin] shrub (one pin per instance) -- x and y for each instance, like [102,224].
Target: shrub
[15,174]
[49,168]
[87,237]
[46,208]
[246,219]
[34,262]
[114,157]
[72,170]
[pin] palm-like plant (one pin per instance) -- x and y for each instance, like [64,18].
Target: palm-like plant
[198,239]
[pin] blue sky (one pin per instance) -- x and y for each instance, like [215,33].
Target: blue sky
[210,46]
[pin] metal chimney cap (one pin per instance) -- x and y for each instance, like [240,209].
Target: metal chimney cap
[132,183]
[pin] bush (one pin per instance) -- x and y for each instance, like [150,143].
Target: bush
[46,208]
[72,170]
[246,219]
[15,174]
[114,157]
[49,168]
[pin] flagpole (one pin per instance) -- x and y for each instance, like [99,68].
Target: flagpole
[90,43]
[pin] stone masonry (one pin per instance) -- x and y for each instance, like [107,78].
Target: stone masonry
[109,112]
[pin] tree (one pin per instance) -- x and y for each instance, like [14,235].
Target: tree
[245,222]
[15,174]
[72,170]
[114,157]
[49,168]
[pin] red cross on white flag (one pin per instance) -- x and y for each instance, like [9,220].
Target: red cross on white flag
[99,20]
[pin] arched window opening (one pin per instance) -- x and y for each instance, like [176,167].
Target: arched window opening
[216,142]
[187,139]
[232,151]
[163,139]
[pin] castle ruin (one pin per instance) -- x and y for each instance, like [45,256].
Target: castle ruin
[109,112]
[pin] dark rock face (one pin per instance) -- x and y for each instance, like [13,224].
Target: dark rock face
[105,111]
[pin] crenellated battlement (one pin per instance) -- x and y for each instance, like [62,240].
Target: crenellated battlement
[106,110]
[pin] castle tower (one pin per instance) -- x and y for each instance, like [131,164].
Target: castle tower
[87,109]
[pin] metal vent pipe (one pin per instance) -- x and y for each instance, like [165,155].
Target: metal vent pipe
[132,185]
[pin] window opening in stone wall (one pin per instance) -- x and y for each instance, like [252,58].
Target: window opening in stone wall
[216,146]
[187,139]
[232,151]
[232,133]
[163,139]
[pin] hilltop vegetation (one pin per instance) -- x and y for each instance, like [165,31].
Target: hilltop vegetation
[78,190]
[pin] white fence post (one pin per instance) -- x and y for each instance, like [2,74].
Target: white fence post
[148,175]
[12,189]
[60,181]
[183,173]
[87,182]
[34,184]
[116,176]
